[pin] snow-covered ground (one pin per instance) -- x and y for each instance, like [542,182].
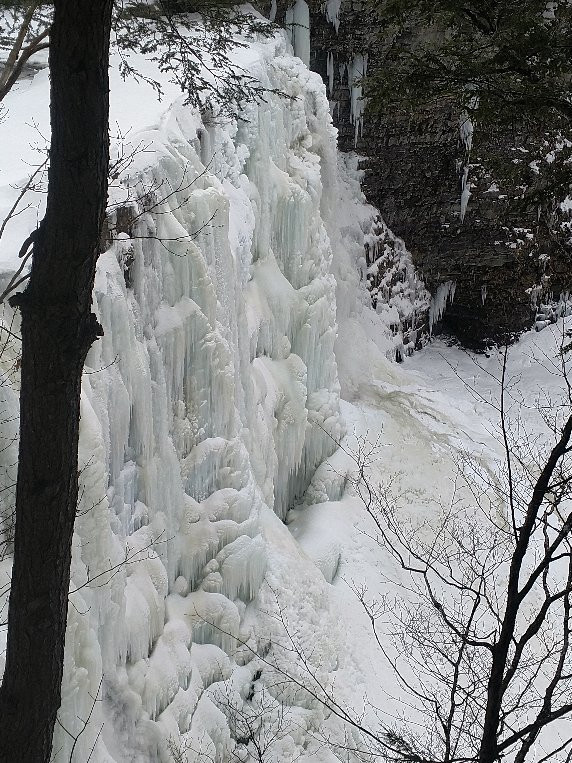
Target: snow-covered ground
[419,420]
[239,348]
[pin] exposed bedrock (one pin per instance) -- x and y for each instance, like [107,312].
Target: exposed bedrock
[509,271]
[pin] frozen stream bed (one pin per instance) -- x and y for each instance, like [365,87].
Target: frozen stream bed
[419,424]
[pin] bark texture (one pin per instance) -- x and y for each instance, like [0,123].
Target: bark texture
[58,329]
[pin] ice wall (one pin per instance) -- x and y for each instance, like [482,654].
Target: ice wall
[207,406]
[297,22]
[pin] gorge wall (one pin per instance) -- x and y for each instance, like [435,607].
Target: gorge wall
[473,235]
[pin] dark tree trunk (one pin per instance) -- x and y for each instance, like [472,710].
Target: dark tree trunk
[58,329]
[496,688]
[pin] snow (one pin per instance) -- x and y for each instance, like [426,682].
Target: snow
[422,417]
[25,130]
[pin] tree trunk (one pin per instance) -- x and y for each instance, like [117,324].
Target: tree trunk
[58,329]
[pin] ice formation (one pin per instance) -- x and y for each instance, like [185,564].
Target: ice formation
[551,310]
[207,407]
[357,70]
[397,292]
[444,295]
[297,20]
[330,72]
[233,282]
[333,8]
[466,130]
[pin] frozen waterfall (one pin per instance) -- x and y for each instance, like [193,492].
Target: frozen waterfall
[207,406]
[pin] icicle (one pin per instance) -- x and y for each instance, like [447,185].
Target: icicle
[357,70]
[466,130]
[333,8]
[465,192]
[298,27]
[444,295]
[330,73]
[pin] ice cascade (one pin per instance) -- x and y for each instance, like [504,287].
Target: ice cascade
[207,406]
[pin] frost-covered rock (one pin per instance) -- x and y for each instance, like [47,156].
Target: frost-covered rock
[397,292]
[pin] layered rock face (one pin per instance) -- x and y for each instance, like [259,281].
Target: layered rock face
[464,225]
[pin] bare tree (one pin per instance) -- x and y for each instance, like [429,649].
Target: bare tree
[27,34]
[479,634]
[480,642]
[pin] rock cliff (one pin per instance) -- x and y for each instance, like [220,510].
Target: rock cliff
[438,186]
